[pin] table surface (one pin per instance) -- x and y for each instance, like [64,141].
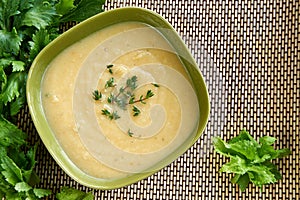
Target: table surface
[249,55]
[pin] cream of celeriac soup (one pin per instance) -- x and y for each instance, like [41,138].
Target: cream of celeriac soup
[119,101]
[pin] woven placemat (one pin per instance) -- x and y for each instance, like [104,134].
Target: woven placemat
[249,54]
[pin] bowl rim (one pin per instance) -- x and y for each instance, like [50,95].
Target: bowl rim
[85,28]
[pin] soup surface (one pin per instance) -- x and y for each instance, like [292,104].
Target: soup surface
[119,101]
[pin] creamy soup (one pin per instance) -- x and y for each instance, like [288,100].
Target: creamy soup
[119,101]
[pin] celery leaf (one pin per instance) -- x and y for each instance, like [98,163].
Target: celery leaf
[83,10]
[250,161]
[73,194]
[10,42]
[40,15]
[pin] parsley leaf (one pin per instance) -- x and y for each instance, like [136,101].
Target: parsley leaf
[250,161]
[40,15]
[15,83]
[7,131]
[40,193]
[82,9]
[39,40]
[8,8]
[73,194]
[17,175]
[10,42]
[26,27]
[10,170]
[64,6]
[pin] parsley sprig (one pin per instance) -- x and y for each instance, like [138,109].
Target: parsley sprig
[26,27]
[250,160]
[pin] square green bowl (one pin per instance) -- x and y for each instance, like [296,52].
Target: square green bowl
[80,31]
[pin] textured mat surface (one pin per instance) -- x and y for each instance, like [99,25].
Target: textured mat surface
[249,54]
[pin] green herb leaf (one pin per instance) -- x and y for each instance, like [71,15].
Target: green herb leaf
[40,193]
[10,43]
[17,66]
[82,10]
[8,9]
[141,100]
[97,95]
[132,99]
[105,112]
[109,67]
[124,97]
[40,15]
[110,83]
[136,111]
[115,115]
[242,180]
[26,27]
[7,131]
[149,94]
[155,84]
[10,170]
[110,98]
[73,194]
[3,77]
[130,133]
[15,82]
[132,83]
[111,115]
[250,161]
[39,40]
[22,187]
[64,6]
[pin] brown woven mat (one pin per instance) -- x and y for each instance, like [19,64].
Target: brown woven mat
[249,54]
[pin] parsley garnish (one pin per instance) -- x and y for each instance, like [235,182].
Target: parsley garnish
[250,161]
[67,193]
[26,27]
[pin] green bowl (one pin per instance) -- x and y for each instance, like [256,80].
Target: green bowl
[79,32]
